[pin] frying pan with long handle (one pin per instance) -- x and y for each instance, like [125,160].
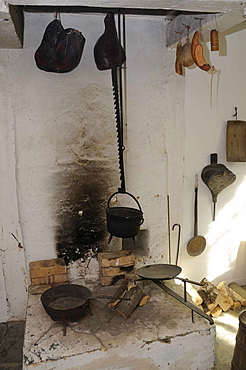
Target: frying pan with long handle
[198,243]
[162,271]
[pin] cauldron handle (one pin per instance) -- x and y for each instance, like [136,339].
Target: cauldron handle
[119,192]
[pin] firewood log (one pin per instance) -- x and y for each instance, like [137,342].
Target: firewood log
[144,300]
[238,289]
[236,306]
[119,293]
[196,298]
[210,288]
[236,295]
[224,302]
[206,297]
[223,288]
[216,312]
[126,308]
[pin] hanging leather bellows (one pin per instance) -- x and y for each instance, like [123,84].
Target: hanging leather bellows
[60,50]
[217,177]
[108,52]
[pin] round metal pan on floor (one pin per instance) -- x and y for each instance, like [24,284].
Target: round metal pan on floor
[159,271]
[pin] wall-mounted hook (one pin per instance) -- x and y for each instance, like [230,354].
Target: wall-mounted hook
[180,34]
[188,28]
[200,22]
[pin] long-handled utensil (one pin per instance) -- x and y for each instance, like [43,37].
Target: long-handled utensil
[178,245]
[198,243]
[169,230]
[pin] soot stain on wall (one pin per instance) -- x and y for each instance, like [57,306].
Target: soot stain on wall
[81,187]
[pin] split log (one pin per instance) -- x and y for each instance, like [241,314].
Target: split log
[236,306]
[209,305]
[224,302]
[216,312]
[119,293]
[224,289]
[144,300]
[196,298]
[238,289]
[126,308]
[235,295]
[210,289]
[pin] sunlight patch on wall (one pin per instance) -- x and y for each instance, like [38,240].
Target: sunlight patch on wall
[226,233]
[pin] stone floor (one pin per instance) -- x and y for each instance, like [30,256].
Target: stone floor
[11,342]
[226,331]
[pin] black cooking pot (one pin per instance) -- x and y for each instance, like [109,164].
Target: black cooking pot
[124,222]
[66,302]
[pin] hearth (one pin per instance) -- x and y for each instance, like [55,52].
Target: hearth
[157,335]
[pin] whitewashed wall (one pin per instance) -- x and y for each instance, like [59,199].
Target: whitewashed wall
[64,122]
[56,124]
[205,132]
[13,282]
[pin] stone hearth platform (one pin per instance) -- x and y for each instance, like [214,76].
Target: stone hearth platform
[158,335]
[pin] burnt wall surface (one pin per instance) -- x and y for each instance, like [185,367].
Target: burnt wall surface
[81,201]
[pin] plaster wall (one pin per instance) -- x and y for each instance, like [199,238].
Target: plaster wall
[64,148]
[60,140]
[13,281]
[207,110]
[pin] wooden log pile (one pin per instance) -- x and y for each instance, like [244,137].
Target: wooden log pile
[133,297]
[214,300]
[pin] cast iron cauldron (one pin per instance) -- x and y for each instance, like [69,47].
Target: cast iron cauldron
[124,222]
[66,302]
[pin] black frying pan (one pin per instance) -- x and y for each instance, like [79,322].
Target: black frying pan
[159,271]
[68,302]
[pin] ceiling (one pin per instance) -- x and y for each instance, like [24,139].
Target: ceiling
[226,13]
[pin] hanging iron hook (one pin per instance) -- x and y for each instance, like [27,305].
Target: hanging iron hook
[235,114]
[177,255]
[180,34]
[200,22]
[188,29]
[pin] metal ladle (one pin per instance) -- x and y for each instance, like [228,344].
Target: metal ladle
[198,243]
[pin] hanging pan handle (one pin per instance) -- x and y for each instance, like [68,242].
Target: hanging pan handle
[119,192]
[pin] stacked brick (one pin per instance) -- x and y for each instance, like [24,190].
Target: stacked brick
[115,265]
[47,273]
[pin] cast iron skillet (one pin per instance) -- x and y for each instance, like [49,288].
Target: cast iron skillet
[67,302]
[159,271]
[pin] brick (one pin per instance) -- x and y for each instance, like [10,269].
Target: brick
[54,279]
[106,280]
[115,271]
[116,258]
[39,269]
